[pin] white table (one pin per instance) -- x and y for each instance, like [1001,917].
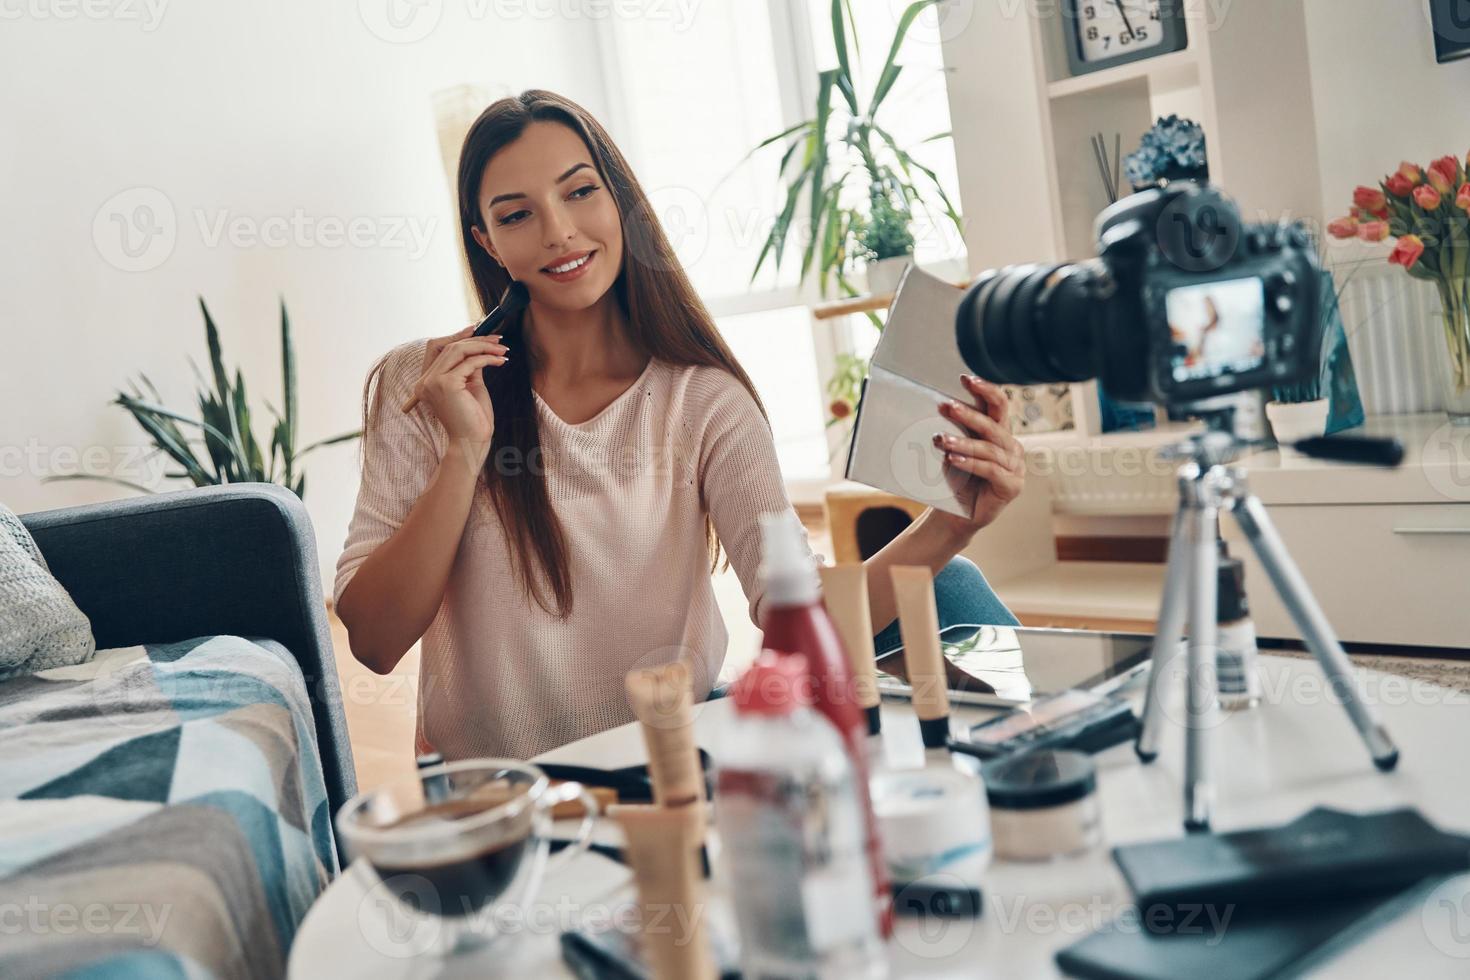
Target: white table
[1295,752]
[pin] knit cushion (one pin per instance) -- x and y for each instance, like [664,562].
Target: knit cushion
[40,627]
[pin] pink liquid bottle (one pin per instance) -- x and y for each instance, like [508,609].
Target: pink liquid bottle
[796,622]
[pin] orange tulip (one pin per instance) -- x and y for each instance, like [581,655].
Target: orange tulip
[1427,196]
[1347,227]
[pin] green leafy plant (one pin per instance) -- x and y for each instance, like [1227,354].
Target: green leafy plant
[843,140]
[886,235]
[232,454]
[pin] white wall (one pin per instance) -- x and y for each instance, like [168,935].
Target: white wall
[1380,96]
[247,111]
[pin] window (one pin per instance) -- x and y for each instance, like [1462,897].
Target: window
[689,99]
[775,347]
[916,108]
[693,101]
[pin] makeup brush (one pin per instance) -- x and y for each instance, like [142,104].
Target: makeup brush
[514,300]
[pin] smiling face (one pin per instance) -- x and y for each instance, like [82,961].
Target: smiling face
[542,205]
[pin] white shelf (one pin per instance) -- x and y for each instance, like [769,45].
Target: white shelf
[1245,78]
[1162,435]
[1179,69]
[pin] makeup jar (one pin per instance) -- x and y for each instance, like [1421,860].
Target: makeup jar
[931,820]
[1043,805]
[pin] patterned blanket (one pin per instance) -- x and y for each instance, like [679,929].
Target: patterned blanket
[162,813]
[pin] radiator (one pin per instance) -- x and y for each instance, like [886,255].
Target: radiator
[1395,334]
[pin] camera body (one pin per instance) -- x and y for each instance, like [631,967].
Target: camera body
[1184,303]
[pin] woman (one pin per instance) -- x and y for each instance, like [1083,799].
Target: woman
[548,516]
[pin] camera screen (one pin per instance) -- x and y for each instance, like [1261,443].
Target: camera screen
[1217,328]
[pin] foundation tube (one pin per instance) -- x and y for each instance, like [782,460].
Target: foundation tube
[918,625]
[845,591]
[663,702]
[661,846]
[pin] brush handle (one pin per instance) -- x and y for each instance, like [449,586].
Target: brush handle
[516,298]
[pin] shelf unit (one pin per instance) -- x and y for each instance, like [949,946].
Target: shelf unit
[1179,69]
[1022,126]
[1244,78]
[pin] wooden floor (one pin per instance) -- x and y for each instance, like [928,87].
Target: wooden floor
[380,709]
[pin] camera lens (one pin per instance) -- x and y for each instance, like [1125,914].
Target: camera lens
[1030,324]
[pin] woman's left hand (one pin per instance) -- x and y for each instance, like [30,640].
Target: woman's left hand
[992,453]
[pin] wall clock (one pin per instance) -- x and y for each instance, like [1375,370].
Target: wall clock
[1451,29]
[1107,33]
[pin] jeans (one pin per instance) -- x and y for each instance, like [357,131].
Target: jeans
[962,597]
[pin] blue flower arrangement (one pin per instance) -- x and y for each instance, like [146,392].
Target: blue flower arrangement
[1173,150]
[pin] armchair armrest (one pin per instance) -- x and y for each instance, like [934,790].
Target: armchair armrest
[238,559]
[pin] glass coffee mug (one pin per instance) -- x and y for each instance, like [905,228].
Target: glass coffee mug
[461,846]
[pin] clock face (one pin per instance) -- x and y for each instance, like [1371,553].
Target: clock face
[1114,28]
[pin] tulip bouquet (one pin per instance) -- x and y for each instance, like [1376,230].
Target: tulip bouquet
[1428,213]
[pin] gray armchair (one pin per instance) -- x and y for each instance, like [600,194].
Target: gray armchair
[238,559]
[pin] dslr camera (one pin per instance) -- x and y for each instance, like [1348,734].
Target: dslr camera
[1184,303]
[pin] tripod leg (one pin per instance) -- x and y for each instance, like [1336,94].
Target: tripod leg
[1251,515]
[1202,707]
[1169,632]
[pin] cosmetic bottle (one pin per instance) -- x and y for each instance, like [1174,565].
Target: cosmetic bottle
[796,622]
[1238,673]
[793,839]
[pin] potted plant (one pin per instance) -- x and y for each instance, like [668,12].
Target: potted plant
[232,453]
[1327,402]
[885,243]
[1427,212]
[844,141]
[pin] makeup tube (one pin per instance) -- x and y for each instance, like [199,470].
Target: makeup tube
[845,591]
[663,701]
[661,846]
[918,625]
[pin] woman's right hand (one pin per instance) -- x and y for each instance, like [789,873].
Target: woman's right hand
[452,384]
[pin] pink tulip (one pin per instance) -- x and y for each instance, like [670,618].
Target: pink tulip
[1373,231]
[1427,196]
[1443,173]
[1408,251]
[1369,199]
[1347,227]
[1399,186]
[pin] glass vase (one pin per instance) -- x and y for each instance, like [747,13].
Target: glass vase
[1455,316]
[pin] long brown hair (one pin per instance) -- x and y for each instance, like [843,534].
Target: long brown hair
[666,320]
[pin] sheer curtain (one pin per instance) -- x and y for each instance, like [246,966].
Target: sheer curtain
[690,89]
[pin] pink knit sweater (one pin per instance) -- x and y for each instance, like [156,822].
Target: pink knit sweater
[498,675]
